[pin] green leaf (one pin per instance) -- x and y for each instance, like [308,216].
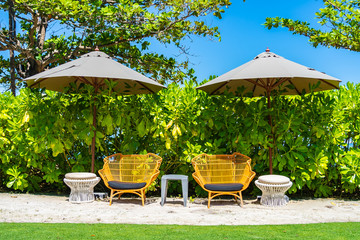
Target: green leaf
[141,128]
[107,121]
[99,135]
[57,148]
[168,143]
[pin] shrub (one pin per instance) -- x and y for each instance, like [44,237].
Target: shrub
[46,134]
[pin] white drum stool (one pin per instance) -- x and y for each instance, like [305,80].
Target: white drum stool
[273,189]
[82,186]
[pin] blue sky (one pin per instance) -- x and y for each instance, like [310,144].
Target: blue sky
[244,37]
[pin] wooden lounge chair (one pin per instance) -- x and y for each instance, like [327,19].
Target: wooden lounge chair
[223,174]
[130,173]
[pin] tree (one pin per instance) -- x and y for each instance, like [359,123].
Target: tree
[340,25]
[12,35]
[56,31]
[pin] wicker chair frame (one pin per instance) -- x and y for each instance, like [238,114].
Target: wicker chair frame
[223,169]
[130,169]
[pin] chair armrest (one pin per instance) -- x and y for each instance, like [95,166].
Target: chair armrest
[198,179]
[152,178]
[103,176]
[251,175]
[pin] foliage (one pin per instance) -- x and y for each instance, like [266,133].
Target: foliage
[339,20]
[45,134]
[53,32]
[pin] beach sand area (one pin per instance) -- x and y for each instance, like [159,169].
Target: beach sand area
[57,209]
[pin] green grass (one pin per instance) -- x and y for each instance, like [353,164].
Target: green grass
[130,231]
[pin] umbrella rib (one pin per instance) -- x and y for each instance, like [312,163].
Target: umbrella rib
[262,81]
[280,82]
[255,85]
[84,80]
[298,92]
[272,81]
[37,82]
[99,82]
[322,80]
[145,87]
[218,88]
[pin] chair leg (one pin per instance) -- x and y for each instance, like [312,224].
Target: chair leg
[111,196]
[209,198]
[120,195]
[242,203]
[142,196]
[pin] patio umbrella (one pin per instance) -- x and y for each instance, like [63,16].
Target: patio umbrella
[268,72]
[94,68]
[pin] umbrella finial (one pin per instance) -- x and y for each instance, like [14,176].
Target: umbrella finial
[97,48]
[267,50]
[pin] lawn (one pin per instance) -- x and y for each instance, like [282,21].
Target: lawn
[130,231]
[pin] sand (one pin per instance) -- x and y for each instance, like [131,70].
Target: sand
[57,209]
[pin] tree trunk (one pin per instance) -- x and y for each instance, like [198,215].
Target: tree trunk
[12,36]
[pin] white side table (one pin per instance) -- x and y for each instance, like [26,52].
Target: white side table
[82,186]
[273,189]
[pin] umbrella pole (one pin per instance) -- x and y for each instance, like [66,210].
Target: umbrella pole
[271,132]
[93,140]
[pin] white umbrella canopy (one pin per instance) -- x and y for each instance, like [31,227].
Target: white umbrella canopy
[269,72]
[94,68]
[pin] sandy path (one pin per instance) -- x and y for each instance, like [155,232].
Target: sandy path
[57,209]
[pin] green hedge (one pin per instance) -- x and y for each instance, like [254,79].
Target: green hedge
[44,135]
